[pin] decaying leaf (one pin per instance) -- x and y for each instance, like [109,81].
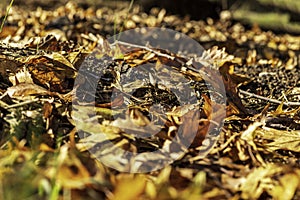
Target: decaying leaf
[59,58]
[26,89]
[263,180]
[231,82]
[279,139]
[23,76]
[214,57]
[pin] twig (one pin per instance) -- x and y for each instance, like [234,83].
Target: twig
[289,103]
[21,104]
[3,104]
[143,47]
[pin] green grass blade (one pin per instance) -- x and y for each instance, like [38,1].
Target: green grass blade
[5,17]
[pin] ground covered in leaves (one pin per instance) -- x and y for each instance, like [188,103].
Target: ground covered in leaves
[45,154]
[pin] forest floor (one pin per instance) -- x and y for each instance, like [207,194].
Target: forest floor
[230,115]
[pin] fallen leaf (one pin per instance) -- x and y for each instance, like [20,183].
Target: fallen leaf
[26,89]
[22,76]
[279,139]
[129,187]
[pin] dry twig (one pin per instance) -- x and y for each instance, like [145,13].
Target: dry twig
[289,103]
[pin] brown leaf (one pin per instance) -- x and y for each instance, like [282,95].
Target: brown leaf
[177,180]
[47,110]
[213,114]
[231,82]
[8,65]
[60,58]
[53,73]
[190,128]
[136,123]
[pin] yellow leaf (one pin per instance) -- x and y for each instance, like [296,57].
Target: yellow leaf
[60,58]
[151,190]
[287,187]
[286,140]
[129,188]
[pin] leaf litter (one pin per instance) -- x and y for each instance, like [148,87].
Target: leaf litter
[42,155]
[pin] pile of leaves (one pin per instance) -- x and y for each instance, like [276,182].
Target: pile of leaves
[42,156]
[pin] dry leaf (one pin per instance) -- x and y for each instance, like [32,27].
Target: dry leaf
[26,89]
[214,57]
[22,76]
[60,58]
[129,187]
[287,186]
[271,180]
[279,139]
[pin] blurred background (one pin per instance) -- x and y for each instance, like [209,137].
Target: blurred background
[276,15]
